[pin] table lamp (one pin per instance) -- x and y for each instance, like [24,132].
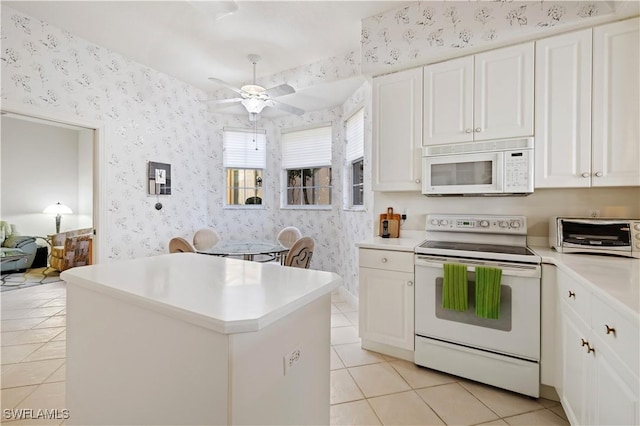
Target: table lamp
[57,209]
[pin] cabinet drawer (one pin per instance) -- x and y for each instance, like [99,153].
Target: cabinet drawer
[576,295]
[617,332]
[387,260]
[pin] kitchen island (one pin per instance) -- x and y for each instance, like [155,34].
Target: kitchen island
[191,339]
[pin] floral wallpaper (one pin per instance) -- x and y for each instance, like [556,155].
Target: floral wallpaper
[150,116]
[432,30]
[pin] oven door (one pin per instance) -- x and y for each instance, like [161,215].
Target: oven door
[480,173]
[517,331]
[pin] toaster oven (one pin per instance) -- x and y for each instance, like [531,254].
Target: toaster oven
[595,235]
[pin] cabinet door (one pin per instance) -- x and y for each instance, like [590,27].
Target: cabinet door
[503,93]
[563,111]
[448,102]
[616,104]
[575,366]
[386,307]
[615,389]
[397,131]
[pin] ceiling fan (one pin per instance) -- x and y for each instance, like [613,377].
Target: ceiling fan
[255,98]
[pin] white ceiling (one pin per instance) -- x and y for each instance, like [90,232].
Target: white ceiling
[193,40]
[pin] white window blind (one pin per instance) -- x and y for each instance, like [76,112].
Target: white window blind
[307,148]
[239,149]
[355,136]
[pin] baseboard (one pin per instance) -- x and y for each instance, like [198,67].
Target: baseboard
[382,348]
[344,293]
[549,392]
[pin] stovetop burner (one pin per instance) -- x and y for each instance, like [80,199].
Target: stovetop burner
[488,237]
[486,248]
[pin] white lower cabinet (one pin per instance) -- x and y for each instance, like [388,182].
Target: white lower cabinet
[387,302]
[599,382]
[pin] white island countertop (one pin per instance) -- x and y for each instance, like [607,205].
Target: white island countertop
[221,294]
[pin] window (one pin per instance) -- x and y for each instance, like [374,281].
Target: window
[306,160]
[244,158]
[354,135]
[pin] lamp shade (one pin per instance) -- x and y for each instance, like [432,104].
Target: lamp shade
[57,209]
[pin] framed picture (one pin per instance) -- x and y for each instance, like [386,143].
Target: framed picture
[159,178]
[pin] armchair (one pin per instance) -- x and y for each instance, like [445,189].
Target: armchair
[12,244]
[71,248]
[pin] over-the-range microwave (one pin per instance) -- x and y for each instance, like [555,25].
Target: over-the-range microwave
[498,167]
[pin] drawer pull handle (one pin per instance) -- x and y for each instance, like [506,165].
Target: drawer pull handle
[572,294]
[610,330]
[409,283]
[584,343]
[590,349]
[585,175]
[383,260]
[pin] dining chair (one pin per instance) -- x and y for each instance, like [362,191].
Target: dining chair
[300,253]
[205,238]
[180,245]
[286,237]
[289,235]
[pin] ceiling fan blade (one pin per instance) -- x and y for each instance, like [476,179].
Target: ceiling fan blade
[225,84]
[285,107]
[224,101]
[283,89]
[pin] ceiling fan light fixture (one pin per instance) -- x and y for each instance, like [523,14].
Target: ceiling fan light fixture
[254,105]
[253,89]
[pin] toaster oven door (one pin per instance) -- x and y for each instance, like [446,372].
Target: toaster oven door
[606,234]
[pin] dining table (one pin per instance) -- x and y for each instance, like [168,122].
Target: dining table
[247,249]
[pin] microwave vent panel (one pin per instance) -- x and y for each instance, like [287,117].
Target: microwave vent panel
[472,147]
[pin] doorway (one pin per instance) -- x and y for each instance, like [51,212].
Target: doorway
[47,160]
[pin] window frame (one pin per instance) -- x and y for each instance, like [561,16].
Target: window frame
[226,169]
[350,164]
[284,205]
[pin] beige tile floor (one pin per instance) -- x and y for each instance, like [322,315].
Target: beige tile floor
[367,388]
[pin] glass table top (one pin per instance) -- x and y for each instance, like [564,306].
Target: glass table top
[230,248]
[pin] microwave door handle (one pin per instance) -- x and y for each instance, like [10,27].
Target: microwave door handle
[499,172]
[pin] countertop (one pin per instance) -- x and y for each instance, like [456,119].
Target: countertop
[222,294]
[407,242]
[617,279]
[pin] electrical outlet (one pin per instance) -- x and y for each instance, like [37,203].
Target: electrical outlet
[292,359]
[594,213]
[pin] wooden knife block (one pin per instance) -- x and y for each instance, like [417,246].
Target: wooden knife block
[393,223]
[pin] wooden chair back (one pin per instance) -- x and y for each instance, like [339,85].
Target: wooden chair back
[180,245]
[300,253]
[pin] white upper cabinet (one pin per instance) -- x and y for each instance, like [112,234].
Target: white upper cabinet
[480,97]
[563,111]
[616,104]
[587,131]
[397,131]
[503,93]
[448,102]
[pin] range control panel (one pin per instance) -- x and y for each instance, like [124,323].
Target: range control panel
[477,223]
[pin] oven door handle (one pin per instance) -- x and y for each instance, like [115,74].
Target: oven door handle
[509,269]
